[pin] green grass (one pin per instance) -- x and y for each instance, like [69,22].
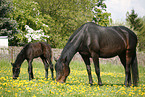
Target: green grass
[76,84]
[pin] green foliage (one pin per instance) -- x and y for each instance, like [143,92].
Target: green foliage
[27,12]
[101,17]
[133,20]
[57,18]
[8,27]
[141,37]
[138,25]
[69,15]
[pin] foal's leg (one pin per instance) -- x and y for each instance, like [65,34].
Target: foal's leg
[97,68]
[87,62]
[51,68]
[46,67]
[30,69]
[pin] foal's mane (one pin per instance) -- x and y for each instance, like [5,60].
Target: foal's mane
[20,57]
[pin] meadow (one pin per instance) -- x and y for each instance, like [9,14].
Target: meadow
[76,84]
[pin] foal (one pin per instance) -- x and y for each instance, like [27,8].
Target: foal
[31,51]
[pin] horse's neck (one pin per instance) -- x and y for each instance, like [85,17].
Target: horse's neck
[69,54]
[71,48]
[19,60]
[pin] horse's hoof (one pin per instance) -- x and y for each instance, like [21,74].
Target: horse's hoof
[100,84]
[135,84]
[53,79]
[91,84]
[30,79]
[14,78]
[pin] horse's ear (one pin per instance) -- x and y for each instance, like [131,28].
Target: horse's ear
[55,59]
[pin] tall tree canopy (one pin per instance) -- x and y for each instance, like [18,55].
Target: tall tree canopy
[57,18]
[133,20]
[138,25]
[68,15]
[8,27]
[71,14]
[101,17]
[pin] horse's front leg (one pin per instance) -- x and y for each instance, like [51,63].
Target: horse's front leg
[30,69]
[97,68]
[87,62]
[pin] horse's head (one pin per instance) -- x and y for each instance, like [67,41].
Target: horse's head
[62,70]
[15,70]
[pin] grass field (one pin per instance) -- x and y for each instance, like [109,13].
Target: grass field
[76,84]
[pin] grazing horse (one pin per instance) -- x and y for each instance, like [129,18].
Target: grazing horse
[31,51]
[94,41]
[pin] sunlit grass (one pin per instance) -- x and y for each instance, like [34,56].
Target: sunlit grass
[76,84]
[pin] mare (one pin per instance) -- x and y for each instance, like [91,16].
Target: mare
[31,51]
[94,41]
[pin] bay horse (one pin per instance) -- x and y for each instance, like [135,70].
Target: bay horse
[31,51]
[94,41]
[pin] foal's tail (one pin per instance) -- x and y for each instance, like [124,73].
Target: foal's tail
[135,74]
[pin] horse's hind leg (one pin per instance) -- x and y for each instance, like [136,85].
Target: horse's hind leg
[126,61]
[51,68]
[134,67]
[30,69]
[87,62]
[46,67]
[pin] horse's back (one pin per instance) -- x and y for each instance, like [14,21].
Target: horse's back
[108,41]
[107,30]
[34,50]
[46,48]
[110,34]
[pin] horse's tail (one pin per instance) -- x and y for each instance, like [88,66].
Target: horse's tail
[135,74]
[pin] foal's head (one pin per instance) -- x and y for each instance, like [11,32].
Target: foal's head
[15,70]
[62,70]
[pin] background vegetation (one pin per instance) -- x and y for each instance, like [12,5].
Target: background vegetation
[59,19]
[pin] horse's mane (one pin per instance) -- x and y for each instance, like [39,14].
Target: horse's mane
[70,42]
[69,49]
[21,53]
[21,56]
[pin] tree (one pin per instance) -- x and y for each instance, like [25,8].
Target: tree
[141,37]
[138,25]
[8,27]
[133,20]
[57,18]
[101,17]
[35,36]
[27,12]
[69,15]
